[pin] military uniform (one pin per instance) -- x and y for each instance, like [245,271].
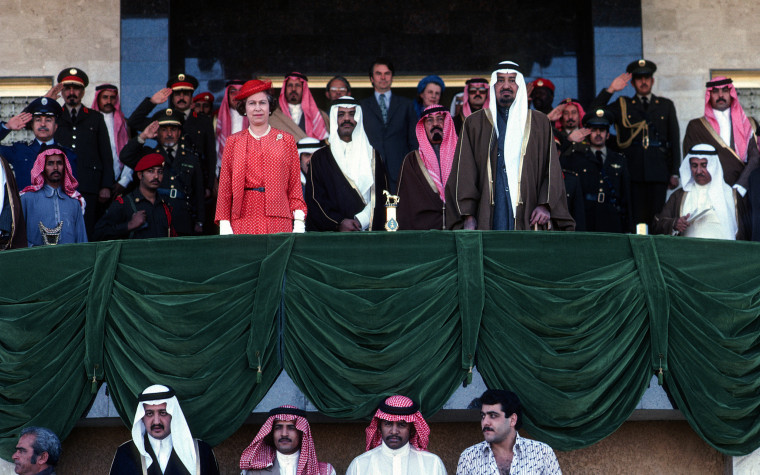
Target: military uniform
[648,136]
[113,224]
[575,197]
[198,128]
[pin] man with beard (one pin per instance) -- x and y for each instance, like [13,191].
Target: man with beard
[604,179]
[567,124]
[197,128]
[182,182]
[203,103]
[503,450]
[298,113]
[345,184]
[424,172]
[52,206]
[476,95]
[107,103]
[161,440]
[506,174]
[336,88]
[284,446]
[141,214]
[84,131]
[648,136]
[541,94]
[397,441]
[39,116]
[705,207]
[726,127]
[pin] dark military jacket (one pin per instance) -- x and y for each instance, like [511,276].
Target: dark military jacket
[661,157]
[115,221]
[88,137]
[182,185]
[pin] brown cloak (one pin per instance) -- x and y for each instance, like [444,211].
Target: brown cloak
[673,209]
[420,206]
[469,190]
[735,171]
[17,238]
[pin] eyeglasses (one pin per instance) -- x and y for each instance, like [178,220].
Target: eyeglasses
[473,90]
[338,89]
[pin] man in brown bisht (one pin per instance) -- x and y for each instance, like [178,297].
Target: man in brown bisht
[12,224]
[726,127]
[506,174]
[421,182]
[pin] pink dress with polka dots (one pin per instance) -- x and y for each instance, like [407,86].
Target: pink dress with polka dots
[249,164]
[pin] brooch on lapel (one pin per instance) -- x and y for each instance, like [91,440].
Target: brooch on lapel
[279,136]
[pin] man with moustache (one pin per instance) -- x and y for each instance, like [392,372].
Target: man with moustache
[397,441]
[475,97]
[161,440]
[298,113]
[107,103]
[726,127]
[567,124]
[705,207]
[84,131]
[38,451]
[52,206]
[182,182]
[603,175]
[39,116]
[141,214]
[648,136]
[503,450]
[424,172]
[336,88]
[389,120]
[345,184]
[197,128]
[203,103]
[228,120]
[506,174]
[541,94]
[284,446]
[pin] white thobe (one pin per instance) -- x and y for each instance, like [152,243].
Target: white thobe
[404,461]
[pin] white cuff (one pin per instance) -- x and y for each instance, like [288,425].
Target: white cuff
[363,217]
[298,221]
[225,228]
[742,191]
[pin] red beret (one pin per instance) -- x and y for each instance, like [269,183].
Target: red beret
[204,97]
[149,161]
[543,82]
[252,87]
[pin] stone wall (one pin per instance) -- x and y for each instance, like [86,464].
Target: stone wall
[688,38]
[40,38]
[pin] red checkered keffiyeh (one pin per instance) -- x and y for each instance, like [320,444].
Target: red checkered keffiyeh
[224,122]
[439,175]
[315,124]
[70,183]
[399,408]
[260,455]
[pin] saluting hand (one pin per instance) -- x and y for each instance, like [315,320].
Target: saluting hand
[619,83]
[161,96]
[556,113]
[54,92]
[19,121]
[150,132]
[578,135]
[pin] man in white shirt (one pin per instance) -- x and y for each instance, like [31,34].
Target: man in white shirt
[107,103]
[397,440]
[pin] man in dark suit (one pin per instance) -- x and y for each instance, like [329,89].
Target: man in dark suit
[389,121]
[84,131]
[648,136]
[198,128]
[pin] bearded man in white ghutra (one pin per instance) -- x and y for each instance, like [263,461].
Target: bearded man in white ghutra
[284,446]
[397,440]
[161,440]
[706,206]
[506,174]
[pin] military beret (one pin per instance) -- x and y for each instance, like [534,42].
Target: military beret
[149,161]
[641,67]
[597,119]
[73,76]
[44,106]
[204,97]
[182,82]
[170,117]
[543,82]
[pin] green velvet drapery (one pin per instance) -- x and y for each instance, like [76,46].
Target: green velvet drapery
[575,323]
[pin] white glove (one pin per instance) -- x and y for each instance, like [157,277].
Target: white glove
[225,228]
[298,222]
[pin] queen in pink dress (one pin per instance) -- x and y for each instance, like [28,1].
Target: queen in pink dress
[260,179]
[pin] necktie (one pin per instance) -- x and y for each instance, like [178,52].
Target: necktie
[384,108]
[73,115]
[599,157]
[170,151]
[645,101]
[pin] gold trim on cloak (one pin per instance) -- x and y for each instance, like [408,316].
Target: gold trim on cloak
[720,141]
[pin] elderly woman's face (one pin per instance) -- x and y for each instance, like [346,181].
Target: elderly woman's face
[431,94]
[257,109]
